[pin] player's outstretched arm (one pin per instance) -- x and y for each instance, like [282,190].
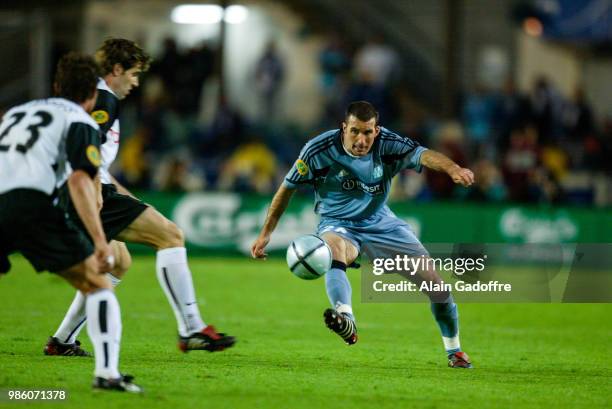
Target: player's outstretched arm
[83,195]
[440,162]
[277,208]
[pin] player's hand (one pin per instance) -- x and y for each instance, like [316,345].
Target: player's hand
[105,258]
[462,176]
[258,247]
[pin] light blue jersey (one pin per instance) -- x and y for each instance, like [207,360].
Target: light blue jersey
[351,197]
[347,187]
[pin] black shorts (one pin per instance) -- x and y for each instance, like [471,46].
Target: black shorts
[118,211]
[41,231]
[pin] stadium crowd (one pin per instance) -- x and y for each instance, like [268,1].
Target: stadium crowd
[535,147]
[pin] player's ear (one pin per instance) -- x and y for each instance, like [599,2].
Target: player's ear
[377,130]
[117,69]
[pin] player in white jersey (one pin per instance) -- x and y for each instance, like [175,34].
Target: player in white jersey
[45,144]
[125,218]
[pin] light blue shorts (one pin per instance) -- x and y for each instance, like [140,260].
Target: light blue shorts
[380,235]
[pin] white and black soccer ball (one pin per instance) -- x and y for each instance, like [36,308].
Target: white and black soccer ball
[309,257]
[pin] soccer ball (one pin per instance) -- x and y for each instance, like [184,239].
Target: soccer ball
[309,257]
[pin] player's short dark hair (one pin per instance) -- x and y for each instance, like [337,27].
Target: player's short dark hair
[362,110]
[121,51]
[76,77]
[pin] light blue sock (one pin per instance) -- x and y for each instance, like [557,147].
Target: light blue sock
[339,288]
[447,317]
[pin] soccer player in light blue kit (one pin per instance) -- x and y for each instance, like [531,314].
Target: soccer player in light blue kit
[351,170]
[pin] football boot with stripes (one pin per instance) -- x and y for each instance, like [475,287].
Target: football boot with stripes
[54,347]
[342,324]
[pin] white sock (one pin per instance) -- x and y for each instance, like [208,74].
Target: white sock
[76,316]
[345,308]
[175,278]
[452,343]
[104,329]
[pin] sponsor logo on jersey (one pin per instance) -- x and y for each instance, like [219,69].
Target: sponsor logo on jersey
[343,173]
[302,167]
[100,116]
[352,184]
[93,154]
[348,184]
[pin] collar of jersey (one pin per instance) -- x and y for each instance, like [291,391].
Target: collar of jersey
[103,85]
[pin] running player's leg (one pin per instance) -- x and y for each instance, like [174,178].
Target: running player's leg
[446,314]
[402,240]
[64,341]
[117,212]
[104,323]
[340,318]
[153,229]
[50,243]
[336,282]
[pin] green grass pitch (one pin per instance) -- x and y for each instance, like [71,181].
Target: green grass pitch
[546,356]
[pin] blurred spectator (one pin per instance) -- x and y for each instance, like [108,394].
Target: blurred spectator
[519,162]
[543,187]
[578,116]
[134,168]
[166,65]
[334,61]
[213,145]
[335,64]
[579,137]
[251,168]
[488,185]
[449,141]
[512,112]
[555,160]
[183,75]
[377,61]
[176,173]
[478,112]
[269,76]
[366,89]
[546,109]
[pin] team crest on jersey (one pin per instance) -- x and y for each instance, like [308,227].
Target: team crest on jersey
[100,116]
[378,172]
[93,154]
[302,167]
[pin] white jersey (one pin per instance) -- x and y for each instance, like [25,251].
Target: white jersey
[42,141]
[106,114]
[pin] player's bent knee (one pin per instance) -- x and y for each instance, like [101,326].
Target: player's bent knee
[337,246]
[173,236]
[123,264]
[84,276]
[96,281]
[177,234]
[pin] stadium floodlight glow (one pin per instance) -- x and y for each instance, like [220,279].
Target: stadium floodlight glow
[208,14]
[197,14]
[236,14]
